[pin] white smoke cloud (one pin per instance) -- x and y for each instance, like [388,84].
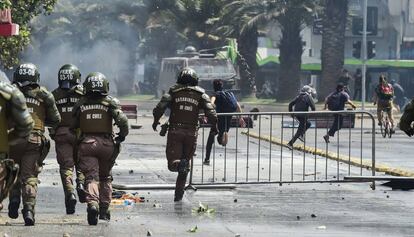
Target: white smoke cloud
[108,57]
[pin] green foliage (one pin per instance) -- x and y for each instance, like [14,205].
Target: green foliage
[22,12]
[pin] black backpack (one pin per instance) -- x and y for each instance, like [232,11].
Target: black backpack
[334,101]
[226,102]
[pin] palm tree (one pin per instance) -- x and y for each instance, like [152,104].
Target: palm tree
[291,16]
[233,18]
[333,43]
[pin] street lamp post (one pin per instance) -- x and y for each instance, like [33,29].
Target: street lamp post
[364,52]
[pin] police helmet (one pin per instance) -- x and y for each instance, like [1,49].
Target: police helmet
[26,74]
[96,83]
[69,76]
[187,76]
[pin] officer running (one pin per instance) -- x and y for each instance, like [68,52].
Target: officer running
[12,108]
[31,153]
[98,148]
[66,96]
[184,99]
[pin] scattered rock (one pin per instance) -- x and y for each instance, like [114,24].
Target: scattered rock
[131,171]
[157,205]
[149,233]
[388,196]
[66,235]
[343,198]
[313,216]
[297,217]
[54,183]
[237,235]
[235,200]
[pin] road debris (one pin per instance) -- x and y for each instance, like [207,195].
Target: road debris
[126,199]
[203,209]
[193,230]
[149,233]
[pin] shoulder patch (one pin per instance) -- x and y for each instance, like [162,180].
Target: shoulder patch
[6,90]
[78,89]
[199,89]
[205,96]
[111,102]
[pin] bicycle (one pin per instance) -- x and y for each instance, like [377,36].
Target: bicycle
[385,125]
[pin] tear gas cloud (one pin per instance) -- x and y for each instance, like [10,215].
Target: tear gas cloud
[110,58]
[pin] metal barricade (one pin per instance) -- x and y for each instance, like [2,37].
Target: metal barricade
[258,154]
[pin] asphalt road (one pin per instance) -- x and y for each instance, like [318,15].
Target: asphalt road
[339,209]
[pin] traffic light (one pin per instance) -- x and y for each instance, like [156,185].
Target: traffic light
[371,49]
[356,49]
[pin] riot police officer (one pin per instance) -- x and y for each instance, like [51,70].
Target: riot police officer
[94,115]
[184,99]
[13,113]
[407,119]
[30,155]
[66,96]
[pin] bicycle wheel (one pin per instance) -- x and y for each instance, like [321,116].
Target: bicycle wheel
[389,130]
[382,128]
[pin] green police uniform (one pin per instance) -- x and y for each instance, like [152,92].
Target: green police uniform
[185,100]
[30,155]
[13,114]
[66,142]
[94,115]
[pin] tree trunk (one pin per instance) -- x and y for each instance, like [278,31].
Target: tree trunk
[333,44]
[247,47]
[291,50]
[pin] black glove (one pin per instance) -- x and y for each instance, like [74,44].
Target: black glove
[119,139]
[154,125]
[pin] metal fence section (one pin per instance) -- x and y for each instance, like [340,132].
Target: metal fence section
[258,153]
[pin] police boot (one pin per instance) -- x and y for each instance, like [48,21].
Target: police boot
[70,203]
[178,196]
[28,215]
[93,211]
[182,166]
[14,204]
[179,186]
[104,213]
[80,189]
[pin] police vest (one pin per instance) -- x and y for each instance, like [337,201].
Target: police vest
[37,110]
[65,102]
[95,118]
[185,107]
[4,147]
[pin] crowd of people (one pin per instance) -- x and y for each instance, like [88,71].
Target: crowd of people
[80,118]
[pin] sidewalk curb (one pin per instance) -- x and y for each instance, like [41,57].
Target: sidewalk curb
[333,156]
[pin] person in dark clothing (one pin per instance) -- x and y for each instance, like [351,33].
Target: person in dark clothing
[336,102]
[344,80]
[358,85]
[302,102]
[223,122]
[399,93]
